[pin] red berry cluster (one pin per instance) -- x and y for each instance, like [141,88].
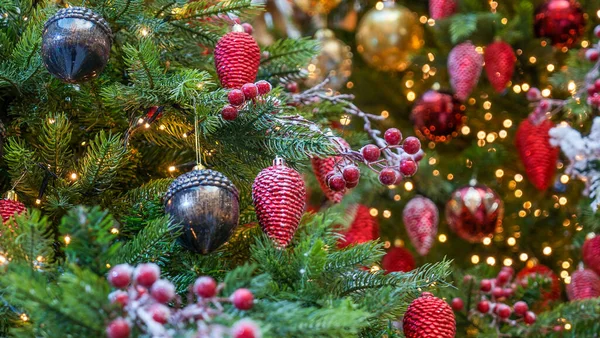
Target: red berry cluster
[493,295]
[593,91]
[237,97]
[142,298]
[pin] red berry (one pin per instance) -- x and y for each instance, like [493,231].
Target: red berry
[292,87]
[503,277]
[509,292]
[247,28]
[118,328]
[245,328]
[388,176]
[370,152]
[597,85]
[336,182]
[419,155]
[485,285]
[592,54]
[529,318]
[411,145]
[591,89]
[408,167]
[119,297]
[205,287]
[242,299]
[457,304]
[229,113]
[497,292]
[503,311]
[483,306]
[120,275]
[534,94]
[521,308]
[544,105]
[160,313]
[146,274]
[393,136]
[468,279]
[351,185]
[597,31]
[163,291]
[140,291]
[263,87]
[236,97]
[351,173]
[250,91]
[508,269]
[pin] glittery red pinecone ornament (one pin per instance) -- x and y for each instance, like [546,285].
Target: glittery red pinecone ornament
[421,217]
[538,156]
[237,58]
[440,9]
[323,167]
[398,260]
[561,21]
[550,291]
[429,317]
[364,227]
[585,284]
[591,254]
[10,206]
[464,66]
[279,197]
[500,62]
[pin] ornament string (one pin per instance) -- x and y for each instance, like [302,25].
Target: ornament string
[197,138]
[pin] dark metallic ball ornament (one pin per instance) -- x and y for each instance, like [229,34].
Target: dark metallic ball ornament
[76,44]
[206,204]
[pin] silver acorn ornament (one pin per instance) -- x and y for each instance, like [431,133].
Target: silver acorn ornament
[206,204]
[76,44]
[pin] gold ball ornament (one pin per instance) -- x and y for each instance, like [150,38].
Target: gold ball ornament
[387,37]
[334,61]
[317,6]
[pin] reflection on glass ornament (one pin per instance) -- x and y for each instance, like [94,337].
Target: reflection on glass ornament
[317,6]
[561,21]
[334,61]
[438,116]
[387,37]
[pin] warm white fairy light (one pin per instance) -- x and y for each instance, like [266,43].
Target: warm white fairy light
[523,257]
[547,251]
[475,259]
[67,239]
[442,238]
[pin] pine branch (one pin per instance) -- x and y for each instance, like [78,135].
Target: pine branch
[55,143]
[150,244]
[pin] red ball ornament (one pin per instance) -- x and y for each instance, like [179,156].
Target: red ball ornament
[584,284]
[279,198]
[429,317]
[440,9]
[10,206]
[500,62]
[323,167]
[421,218]
[549,292]
[464,66]
[437,116]
[474,212]
[591,254]
[537,155]
[364,227]
[398,260]
[561,21]
[237,58]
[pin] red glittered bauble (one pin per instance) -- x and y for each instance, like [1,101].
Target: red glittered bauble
[364,227]
[437,116]
[279,197]
[584,284]
[398,260]
[591,254]
[550,290]
[322,167]
[440,9]
[538,156]
[500,62]
[464,66]
[237,58]
[474,212]
[9,208]
[561,21]
[429,317]
[421,217]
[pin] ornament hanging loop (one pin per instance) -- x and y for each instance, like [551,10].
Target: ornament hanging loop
[279,161]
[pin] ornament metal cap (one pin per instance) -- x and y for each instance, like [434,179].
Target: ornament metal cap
[237,28]
[80,13]
[11,195]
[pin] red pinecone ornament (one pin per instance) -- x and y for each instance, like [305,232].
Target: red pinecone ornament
[364,228]
[549,292]
[440,9]
[421,217]
[464,66]
[398,260]
[279,197]
[237,58]
[9,208]
[584,284]
[322,167]
[429,317]
[538,156]
[591,254]
[499,64]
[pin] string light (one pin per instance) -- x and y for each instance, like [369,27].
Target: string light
[73,176]
[385,114]
[564,179]
[491,261]
[408,186]
[499,173]
[114,231]
[38,201]
[411,96]
[566,265]
[387,214]
[24,317]
[442,238]
[507,262]
[511,241]
[465,130]
[547,251]
[518,177]
[523,257]
[507,123]
[379,5]
[550,67]
[474,259]
[67,239]
[487,241]
[546,92]
[374,212]
[397,197]
[172,168]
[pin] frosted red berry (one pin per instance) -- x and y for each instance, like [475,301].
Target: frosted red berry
[597,31]
[118,328]
[503,277]
[497,292]
[388,176]
[509,270]
[483,306]
[544,105]
[336,182]
[250,91]
[351,185]
[529,317]
[503,311]
[468,279]
[408,167]
[236,97]
[534,94]
[521,308]
[485,285]
[229,113]
[160,313]
[163,291]
[120,275]
[370,152]
[263,86]
[592,54]
[411,145]
[205,287]
[457,304]
[508,292]
[247,28]
[292,87]
[245,328]
[392,136]
[146,274]
[351,173]
[242,299]
[119,297]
